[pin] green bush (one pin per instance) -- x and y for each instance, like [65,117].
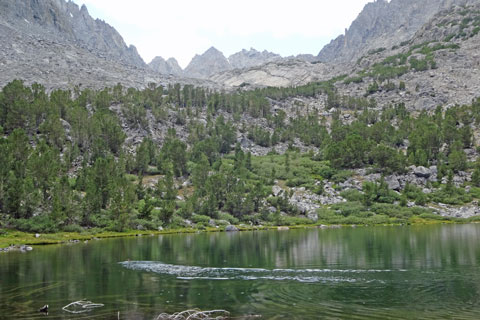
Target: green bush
[297,182]
[352,195]
[280,220]
[73,228]
[455,196]
[146,224]
[228,217]
[341,176]
[177,222]
[41,224]
[197,218]
[392,211]
[100,220]
[348,208]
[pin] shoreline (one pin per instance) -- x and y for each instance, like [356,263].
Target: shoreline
[14,240]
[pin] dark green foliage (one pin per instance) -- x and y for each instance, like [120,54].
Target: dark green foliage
[65,164]
[372,88]
[173,151]
[378,192]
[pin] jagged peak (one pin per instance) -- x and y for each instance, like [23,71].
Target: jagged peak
[157,58]
[212,50]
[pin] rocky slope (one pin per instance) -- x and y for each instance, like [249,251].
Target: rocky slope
[383,24]
[65,22]
[57,44]
[440,65]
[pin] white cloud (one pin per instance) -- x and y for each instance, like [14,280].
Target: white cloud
[182,28]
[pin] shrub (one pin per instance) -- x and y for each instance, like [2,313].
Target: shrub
[146,224]
[296,182]
[177,222]
[341,176]
[41,224]
[73,228]
[352,195]
[348,208]
[197,218]
[228,217]
[280,220]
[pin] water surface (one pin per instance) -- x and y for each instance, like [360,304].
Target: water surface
[427,272]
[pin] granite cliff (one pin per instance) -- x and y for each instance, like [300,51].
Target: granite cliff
[383,24]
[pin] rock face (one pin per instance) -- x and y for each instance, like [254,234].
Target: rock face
[453,38]
[57,44]
[169,67]
[251,58]
[67,23]
[383,24]
[214,62]
[282,73]
[207,64]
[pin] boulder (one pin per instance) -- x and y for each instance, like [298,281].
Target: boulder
[422,172]
[276,190]
[393,183]
[231,228]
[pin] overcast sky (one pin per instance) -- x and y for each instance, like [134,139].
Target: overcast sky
[183,28]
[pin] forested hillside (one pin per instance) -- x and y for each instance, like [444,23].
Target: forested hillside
[95,159]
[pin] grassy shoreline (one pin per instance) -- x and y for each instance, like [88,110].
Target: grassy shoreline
[11,237]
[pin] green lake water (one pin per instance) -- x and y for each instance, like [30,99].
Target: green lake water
[418,272]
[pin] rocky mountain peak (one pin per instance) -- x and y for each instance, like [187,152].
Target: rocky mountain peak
[65,22]
[170,66]
[251,58]
[383,24]
[207,64]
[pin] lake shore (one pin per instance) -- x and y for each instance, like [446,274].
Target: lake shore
[14,240]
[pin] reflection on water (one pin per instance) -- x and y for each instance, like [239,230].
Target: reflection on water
[385,272]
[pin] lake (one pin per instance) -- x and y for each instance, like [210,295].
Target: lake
[427,272]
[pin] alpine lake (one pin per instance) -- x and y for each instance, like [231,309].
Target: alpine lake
[409,272]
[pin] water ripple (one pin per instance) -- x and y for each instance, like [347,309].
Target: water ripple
[213,273]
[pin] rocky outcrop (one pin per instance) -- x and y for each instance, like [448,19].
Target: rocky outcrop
[383,24]
[251,58]
[276,74]
[65,22]
[207,64]
[168,67]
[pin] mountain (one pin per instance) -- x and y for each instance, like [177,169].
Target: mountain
[170,66]
[251,58]
[207,64]
[65,22]
[214,62]
[438,66]
[59,45]
[383,24]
